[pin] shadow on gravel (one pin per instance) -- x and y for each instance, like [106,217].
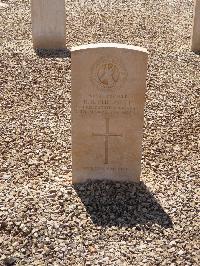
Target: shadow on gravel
[121,204]
[53,53]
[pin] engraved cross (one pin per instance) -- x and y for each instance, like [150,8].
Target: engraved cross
[106,138]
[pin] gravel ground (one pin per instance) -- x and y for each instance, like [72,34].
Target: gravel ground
[44,220]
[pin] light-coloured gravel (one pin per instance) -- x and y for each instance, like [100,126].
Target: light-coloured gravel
[44,220]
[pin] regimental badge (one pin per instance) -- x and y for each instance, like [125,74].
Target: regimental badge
[109,73]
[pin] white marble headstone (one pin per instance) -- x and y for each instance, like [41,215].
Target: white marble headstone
[48,23]
[108,97]
[196,27]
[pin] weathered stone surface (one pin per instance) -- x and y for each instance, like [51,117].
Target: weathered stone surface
[196,28]
[48,23]
[108,96]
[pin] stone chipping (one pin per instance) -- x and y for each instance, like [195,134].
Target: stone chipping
[44,219]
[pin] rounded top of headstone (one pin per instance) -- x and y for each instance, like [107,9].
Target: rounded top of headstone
[109,45]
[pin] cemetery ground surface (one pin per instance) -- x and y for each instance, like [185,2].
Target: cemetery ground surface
[44,219]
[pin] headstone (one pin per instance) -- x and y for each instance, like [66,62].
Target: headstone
[48,23]
[196,27]
[108,97]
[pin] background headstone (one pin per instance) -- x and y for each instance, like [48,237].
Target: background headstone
[48,23]
[196,27]
[108,97]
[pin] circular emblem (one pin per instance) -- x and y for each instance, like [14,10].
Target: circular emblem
[108,73]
